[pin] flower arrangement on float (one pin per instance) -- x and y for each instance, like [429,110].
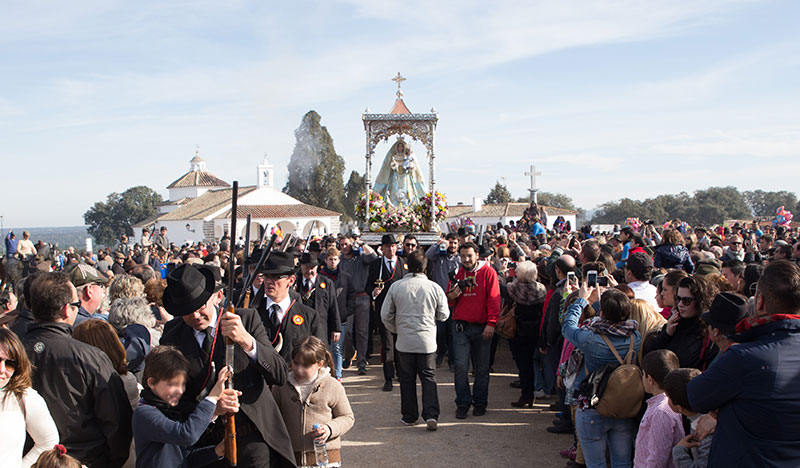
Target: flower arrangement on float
[377,209]
[423,208]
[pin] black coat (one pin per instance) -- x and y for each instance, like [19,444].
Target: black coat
[673,256]
[322,298]
[299,322]
[22,323]
[687,343]
[85,395]
[251,377]
[377,269]
[345,295]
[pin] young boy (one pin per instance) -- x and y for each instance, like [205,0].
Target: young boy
[661,428]
[161,436]
[689,452]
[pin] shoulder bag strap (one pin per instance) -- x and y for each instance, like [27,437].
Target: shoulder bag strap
[631,352]
[612,348]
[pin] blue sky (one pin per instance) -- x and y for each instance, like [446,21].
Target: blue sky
[608,98]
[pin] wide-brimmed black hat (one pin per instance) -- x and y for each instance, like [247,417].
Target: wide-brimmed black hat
[215,271]
[484,251]
[388,239]
[254,256]
[725,312]
[308,259]
[279,263]
[188,288]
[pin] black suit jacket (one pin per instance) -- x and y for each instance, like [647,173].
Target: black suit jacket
[378,269]
[251,377]
[323,300]
[345,295]
[299,322]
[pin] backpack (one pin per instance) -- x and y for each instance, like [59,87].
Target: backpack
[507,323]
[615,390]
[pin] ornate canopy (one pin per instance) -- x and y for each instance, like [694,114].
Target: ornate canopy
[400,121]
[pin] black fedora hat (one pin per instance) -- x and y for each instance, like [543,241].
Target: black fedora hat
[188,288]
[725,312]
[215,271]
[388,239]
[484,251]
[279,263]
[308,259]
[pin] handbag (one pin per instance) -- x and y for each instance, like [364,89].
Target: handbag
[614,390]
[507,323]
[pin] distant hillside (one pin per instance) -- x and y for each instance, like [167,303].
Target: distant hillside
[66,236]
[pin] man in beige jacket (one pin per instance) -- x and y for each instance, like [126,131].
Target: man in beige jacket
[411,309]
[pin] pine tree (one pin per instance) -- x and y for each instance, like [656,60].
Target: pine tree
[354,187]
[315,170]
[499,194]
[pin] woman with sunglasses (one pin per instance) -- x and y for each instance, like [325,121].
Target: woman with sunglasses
[22,410]
[684,333]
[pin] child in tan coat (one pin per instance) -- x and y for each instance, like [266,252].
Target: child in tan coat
[313,397]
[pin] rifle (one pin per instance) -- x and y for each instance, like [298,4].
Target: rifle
[248,284]
[308,239]
[230,422]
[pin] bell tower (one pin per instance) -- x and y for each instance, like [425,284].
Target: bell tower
[265,174]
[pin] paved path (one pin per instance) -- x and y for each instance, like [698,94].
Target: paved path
[504,437]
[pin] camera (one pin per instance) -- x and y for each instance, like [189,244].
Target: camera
[467,282]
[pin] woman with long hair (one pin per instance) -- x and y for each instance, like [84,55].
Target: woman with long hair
[684,333]
[22,409]
[648,319]
[101,334]
[672,253]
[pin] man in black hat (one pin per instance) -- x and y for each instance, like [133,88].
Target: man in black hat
[199,332]
[382,273]
[285,318]
[317,292]
[725,312]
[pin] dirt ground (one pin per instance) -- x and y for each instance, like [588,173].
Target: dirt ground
[504,437]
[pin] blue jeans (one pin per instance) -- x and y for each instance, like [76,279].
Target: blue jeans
[336,347]
[470,344]
[595,432]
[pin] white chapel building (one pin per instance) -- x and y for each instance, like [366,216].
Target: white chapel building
[199,208]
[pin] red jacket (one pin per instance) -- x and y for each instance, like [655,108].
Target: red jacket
[480,303]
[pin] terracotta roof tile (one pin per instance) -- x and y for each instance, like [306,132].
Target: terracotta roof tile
[204,205]
[281,211]
[198,179]
[499,210]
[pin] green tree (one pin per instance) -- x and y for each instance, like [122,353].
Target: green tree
[766,203]
[111,219]
[315,170]
[499,194]
[558,200]
[716,204]
[354,187]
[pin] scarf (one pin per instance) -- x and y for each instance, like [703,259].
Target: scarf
[175,413]
[752,322]
[527,293]
[332,274]
[602,326]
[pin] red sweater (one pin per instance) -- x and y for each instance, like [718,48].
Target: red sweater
[480,303]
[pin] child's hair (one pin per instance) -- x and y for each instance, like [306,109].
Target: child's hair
[657,364]
[311,350]
[675,386]
[164,363]
[56,458]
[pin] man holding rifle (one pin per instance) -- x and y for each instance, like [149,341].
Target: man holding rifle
[199,332]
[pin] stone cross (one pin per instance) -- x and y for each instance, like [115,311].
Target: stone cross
[533,190]
[399,80]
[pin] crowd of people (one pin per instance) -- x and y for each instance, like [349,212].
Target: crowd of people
[122,357]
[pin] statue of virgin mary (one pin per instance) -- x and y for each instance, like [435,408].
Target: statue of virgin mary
[400,180]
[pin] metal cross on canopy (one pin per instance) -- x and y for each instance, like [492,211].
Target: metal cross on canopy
[399,80]
[533,190]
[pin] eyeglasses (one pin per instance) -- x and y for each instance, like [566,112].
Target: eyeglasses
[736,243]
[10,364]
[411,245]
[684,300]
[76,304]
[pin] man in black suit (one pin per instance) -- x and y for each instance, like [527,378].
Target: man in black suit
[285,318]
[382,273]
[319,293]
[199,331]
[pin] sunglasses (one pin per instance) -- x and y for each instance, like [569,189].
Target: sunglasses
[76,304]
[410,245]
[10,364]
[684,300]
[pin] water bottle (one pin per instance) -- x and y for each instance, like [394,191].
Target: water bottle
[320,450]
